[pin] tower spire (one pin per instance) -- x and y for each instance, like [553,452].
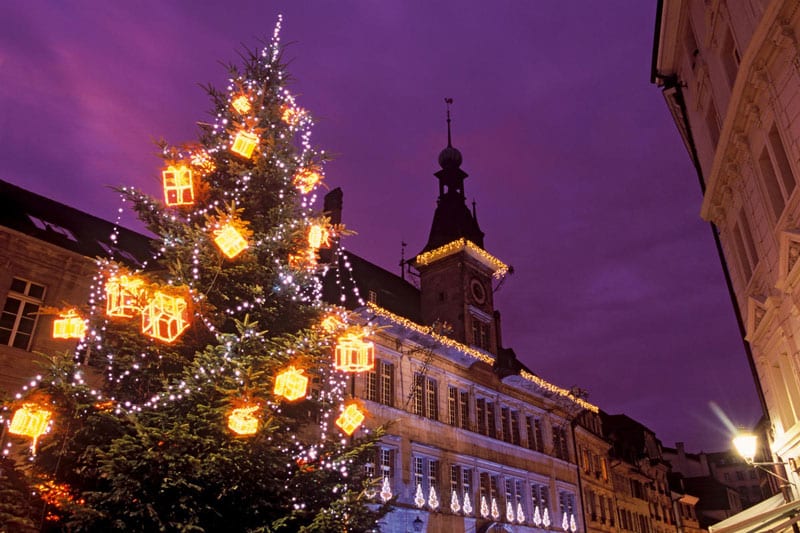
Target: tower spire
[447,102]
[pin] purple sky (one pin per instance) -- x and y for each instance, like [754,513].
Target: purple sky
[581,180]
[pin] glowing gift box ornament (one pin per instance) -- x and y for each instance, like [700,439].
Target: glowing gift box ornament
[306,179]
[319,236]
[242,422]
[230,241]
[122,296]
[241,104]
[178,185]
[30,421]
[165,317]
[69,326]
[350,419]
[291,384]
[353,354]
[244,143]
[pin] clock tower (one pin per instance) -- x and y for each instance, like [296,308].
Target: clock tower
[456,273]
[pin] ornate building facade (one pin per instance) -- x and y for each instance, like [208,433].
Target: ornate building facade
[730,73]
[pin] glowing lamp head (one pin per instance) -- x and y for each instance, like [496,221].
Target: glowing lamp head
[244,144]
[69,326]
[306,179]
[353,354]
[165,317]
[178,185]
[230,241]
[746,445]
[350,419]
[242,422]
[291,384]
[122,296]
[242,104]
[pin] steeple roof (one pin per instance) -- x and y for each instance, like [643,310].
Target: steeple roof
[452,219]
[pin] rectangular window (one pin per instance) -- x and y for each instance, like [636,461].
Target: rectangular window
[505,423]
[539,499]
[729,54]
[452,406]
[386,396]
[533,428]
[419,394]
[372,385]
[515,428]
[491,420]
[20,312]
[466,487]
[432,399]
[480,415]
[560,449]
[426,398]
[590,506]
[566,504]
[781,163]
[480,333]
[386,462]
[464,408]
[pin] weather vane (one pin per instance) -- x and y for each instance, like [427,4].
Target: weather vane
[447,102]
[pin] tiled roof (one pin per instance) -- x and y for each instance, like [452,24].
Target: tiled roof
[67,227]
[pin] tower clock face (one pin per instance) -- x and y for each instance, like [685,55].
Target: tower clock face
[478,291]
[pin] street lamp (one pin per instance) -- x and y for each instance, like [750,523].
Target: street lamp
[417,523]
[746,445]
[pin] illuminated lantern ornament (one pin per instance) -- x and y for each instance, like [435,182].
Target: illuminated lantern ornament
[30,421]
[69,326]
[419,499]
[165,317]
[122,296]
[350,419]
[433,499]
[495,510]
[520,513]
[306,179]
[178,185]
[244,143]
[467,504]
[303,261]
[241,104]
[509,511]
[386,490]
[573,525]
[537,518]
[484,507]
[546,518]
[291,384]
[565,522]
[230,241]
[353,354]
[454,505]
[242,422]
[319,236]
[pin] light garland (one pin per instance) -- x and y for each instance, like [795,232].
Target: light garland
[558,390]
[499,269]
[427,330]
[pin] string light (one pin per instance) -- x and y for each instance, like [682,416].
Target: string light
[498,268]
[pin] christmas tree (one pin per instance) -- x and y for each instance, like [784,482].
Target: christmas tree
[209,390]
